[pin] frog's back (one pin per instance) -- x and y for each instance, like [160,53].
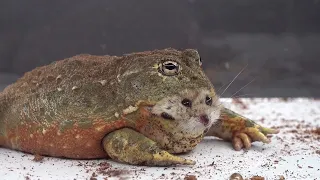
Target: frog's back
[61,73]
[50,100]
[51,87]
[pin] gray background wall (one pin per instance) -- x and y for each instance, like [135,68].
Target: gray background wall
[278,40]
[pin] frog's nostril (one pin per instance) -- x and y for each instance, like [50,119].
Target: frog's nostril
[204,119]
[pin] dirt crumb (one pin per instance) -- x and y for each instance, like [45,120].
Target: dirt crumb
[38,158]
[94,174]
[240,103]
[104,166]
[236,176]
[316,131]
[190,177]
[293,131]
[257,178]
[115,173]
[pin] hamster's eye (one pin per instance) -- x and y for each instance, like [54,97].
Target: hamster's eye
[186,102]
[169,68]
[208,101]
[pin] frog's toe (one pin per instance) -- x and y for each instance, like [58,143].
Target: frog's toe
[257,135]
[237,143]
[245,137]
[165,158]
[241,140]
[268,131]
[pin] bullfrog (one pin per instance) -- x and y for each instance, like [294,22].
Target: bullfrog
[142,108]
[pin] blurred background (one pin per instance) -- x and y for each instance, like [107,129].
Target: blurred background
[277,41]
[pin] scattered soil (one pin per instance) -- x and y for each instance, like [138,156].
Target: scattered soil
[236,176]
[257,178]
[104,169]
[38,158]
[240,103]
[316,131]
[93,176]
[190,177]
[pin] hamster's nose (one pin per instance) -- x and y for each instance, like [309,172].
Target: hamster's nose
[204,119]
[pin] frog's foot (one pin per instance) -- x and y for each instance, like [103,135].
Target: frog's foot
[240,130]
[244,137]
[128,146]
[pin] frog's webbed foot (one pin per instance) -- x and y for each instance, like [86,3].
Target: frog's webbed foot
[240,130]
[243,138]
[128,146]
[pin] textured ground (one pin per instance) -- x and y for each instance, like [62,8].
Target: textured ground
[293,154]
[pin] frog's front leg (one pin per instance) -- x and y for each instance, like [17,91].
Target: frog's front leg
[128,146]
[242,131]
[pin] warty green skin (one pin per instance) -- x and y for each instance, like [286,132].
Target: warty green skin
[70,107]
[78,84]
[83,88]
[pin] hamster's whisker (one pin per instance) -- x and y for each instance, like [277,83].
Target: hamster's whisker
[234,79]
[231,82]
[243,87]
[220,88]
[242,95]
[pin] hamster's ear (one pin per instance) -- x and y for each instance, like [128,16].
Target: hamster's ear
[192,55]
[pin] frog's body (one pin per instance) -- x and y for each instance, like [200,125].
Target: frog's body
[129,108]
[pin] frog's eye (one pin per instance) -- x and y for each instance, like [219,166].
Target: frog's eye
[200,61]
[169,68]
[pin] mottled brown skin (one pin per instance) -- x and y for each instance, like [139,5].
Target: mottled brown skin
[88,107]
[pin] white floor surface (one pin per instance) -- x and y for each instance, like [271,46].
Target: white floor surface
[293,154]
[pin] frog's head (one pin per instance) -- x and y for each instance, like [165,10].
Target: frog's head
[183,101]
